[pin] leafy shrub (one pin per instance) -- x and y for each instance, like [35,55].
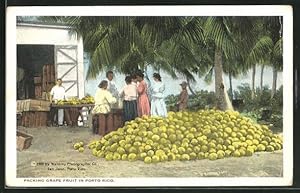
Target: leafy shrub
[262,108]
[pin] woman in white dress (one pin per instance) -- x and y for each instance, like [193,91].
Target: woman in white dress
[158,105]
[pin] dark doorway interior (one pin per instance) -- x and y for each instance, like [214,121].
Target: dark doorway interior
[30,62]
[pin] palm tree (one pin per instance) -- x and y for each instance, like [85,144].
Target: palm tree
[273,26]
[234,68]
[223,32]
[262,77]
[277,64]
[195,45]
[268,48]
[259,49]
[127,43]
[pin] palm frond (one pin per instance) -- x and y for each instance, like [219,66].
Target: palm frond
[260,51]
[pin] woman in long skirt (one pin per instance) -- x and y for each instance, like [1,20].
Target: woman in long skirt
[129,93]
[143,101]
[158,105]
[102,118]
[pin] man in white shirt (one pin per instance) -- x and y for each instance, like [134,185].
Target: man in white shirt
[111,84]
[111,87]
[58,93]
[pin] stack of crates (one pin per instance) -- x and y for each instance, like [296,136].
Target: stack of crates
[34,113]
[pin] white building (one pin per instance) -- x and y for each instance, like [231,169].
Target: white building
[39,44]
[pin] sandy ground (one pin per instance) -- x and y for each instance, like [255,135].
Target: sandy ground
[51,155]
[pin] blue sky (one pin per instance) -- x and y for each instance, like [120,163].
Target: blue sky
[173,87]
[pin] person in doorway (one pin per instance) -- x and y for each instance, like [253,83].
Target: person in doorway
[158,105]
[102,118]
[183,97]
[143,100]
[129,93]
[58,93]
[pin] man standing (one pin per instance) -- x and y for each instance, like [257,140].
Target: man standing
[58,93]
[183,97]
[111,84]
[111,87]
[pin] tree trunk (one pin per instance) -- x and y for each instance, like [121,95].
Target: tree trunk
[253,82]
[223,102]
[230,86]
[274,85]
[190,88]
[262,78]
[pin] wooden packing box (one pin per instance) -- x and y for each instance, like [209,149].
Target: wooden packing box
[38,91]
[23,140]
[33,105]
[19,119]
[37,80]
[118,118]
[34,119]
[48,73]
[46,96]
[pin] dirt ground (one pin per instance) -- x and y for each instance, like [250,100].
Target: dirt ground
[52,155]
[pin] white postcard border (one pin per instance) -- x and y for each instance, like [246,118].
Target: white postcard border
[237,10]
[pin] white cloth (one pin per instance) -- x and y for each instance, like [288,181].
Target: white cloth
[158,105]
[103,101]
[129,92]
[158,89]
[60,119]
[111,87]
[58,92]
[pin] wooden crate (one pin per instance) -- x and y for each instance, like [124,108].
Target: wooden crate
[19,119]
[48,77]
[48,73]
[46,96]
[37,80]
[52,73]
[34,119]
[38,91]
[118,118]
[33,105]
[23,140]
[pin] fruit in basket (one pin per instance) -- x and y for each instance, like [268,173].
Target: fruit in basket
[206,134]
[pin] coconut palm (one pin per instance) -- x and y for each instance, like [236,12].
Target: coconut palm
[267,49]
[195,45]
[274,27]
[222,31]
[234,68]
[127,43]
[258,55]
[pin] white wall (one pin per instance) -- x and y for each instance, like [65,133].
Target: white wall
[43,34]
[53,35]
[81,75]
